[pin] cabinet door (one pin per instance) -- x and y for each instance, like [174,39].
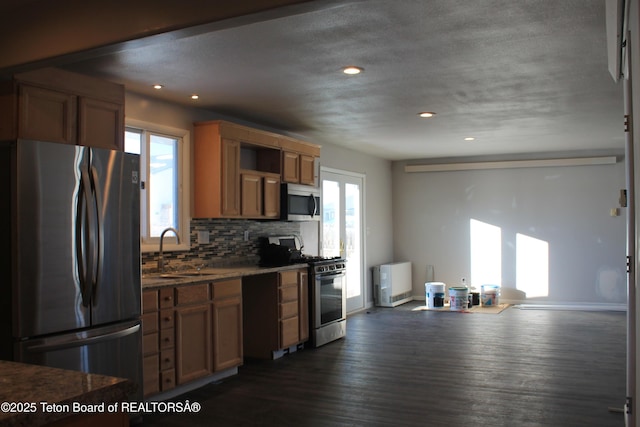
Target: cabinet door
[251,195]
[46,115]
[289,332]
[101,124]
[230,202]
[307,170]
[303,307]
[227,333]
[193,342]
[271,197]
[290,167]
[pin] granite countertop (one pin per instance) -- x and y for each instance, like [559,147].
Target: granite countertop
[173,278]
[33,395]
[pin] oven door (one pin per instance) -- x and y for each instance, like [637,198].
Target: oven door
[329,299]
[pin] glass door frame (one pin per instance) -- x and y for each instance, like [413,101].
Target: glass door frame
[358,303]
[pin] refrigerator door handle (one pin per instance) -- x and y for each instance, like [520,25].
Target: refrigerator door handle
[83,238]
[96,231]
[81,338]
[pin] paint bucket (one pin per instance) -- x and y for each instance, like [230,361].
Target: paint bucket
[459,298]
[435,294]
[490,295]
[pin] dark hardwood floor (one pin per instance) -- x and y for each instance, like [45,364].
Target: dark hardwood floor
[399,367]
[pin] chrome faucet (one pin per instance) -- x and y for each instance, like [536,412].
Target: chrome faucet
[160,255]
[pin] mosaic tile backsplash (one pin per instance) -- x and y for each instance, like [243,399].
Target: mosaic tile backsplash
[226,244]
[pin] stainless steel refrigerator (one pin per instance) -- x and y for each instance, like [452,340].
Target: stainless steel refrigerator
[70,261]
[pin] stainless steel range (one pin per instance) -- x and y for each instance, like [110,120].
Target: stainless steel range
[327,286]
[328,300]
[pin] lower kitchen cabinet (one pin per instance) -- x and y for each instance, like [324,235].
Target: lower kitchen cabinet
[227,324]
[193,342]
[275,312]
[189,332]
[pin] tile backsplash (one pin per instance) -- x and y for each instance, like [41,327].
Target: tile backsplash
[227,244]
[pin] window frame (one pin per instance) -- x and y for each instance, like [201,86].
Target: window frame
[152,244]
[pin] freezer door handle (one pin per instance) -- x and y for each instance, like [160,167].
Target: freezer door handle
[81,338]
[96,232]
[83,238]
[87,235]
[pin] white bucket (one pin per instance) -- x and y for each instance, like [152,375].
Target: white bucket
[435,294]
[459,298]
[490,295]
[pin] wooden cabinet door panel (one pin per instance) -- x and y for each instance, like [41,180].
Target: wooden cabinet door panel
[150,344]
[193,342]
[288,293]
[288,309]
[230,182]
[290,167]
[100,124]
[271,197]
[307,170]
[289,332]
[150,374]
[149,301]
[226,288]
[150,323]
[192,294]
[227,336]
[251,190]
[47,115]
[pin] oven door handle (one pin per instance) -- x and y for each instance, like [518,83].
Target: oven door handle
[329,275]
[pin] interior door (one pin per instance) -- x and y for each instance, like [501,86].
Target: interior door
[342,228]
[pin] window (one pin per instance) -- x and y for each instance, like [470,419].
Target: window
[164,197]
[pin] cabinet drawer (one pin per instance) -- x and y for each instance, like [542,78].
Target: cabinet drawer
[150,344]
[288,332]
[166,319]
[150,375]
[289,277]
[167,360]
[290,293]
[227,288]
[168,379]
[288,309]
[167,338]
[166,298]
[149,323]
[149,301]
[192,294]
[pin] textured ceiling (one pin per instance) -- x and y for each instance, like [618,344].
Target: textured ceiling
[521,77]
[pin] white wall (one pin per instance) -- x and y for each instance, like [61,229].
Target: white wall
[378,204]
[567,207]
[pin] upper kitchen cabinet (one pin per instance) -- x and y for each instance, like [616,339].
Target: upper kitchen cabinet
[238,170]
[59,106]
[298,162]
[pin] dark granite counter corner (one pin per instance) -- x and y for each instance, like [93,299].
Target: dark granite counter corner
[26,390]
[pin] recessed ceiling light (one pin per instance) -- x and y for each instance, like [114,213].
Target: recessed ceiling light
[426,114]
[469,138]
[194,96]
[352,70]
[158,86]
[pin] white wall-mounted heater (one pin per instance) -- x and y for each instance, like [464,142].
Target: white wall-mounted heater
[392,284]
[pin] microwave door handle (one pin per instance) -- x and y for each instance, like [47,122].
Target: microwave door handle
[314,210]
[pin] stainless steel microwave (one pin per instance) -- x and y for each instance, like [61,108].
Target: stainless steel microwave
[299,203]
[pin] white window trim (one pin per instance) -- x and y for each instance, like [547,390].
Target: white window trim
[184,189]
